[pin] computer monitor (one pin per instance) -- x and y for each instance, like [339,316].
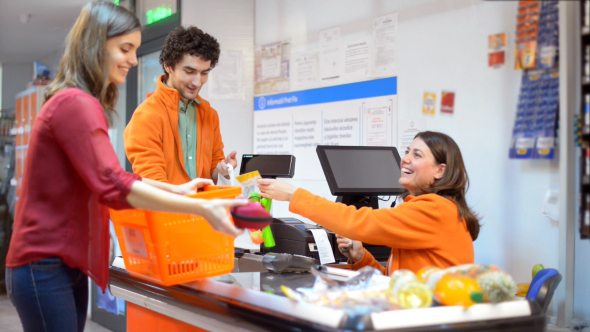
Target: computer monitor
[269,165]
[358,174]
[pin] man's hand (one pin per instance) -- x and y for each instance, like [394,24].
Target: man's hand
[191,187]
[222,166]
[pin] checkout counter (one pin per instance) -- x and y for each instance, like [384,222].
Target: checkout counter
[250,299]
[253,301]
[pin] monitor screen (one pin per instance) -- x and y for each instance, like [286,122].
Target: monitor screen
[361,170]
[269,165]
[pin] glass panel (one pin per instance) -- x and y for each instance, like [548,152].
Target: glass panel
[149,70]
[150,11]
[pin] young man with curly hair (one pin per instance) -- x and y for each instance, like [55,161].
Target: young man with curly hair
[174,134]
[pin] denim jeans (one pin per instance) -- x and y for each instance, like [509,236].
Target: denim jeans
[48,295]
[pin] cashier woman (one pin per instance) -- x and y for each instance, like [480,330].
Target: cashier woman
[433,227]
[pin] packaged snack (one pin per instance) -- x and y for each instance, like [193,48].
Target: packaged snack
[250,190]
[369,293]
[423,273]
[409,292]
[496,285]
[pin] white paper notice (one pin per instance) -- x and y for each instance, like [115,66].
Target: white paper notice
[385,40]
[407,131]
[357,60]
[324,247]
[330,54]
[305,72]
[377,123]
[226,81]
[271,67]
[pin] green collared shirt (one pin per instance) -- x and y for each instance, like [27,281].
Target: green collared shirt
[187,128]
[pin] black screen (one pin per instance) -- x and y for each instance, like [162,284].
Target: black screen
[269,165]
[361,169]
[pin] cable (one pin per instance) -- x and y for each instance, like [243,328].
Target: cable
[394,201]
[347,251]
[351,261]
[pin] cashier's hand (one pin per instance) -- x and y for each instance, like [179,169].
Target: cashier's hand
[222,166]
[191,187]
[216,212]
[355,248]
[275,189]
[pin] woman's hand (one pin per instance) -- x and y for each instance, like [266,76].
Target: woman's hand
[191,187]
[216,213]
[275,189]
[349,247]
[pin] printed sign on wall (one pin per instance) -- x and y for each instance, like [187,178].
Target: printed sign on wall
[429,103]
[363,113]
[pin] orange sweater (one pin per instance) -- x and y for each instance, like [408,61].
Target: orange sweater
[423,231]
[152,140]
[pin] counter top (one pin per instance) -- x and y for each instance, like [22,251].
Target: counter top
[253,301]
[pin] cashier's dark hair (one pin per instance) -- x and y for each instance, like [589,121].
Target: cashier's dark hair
[84,63]
[192,41]
[454,182]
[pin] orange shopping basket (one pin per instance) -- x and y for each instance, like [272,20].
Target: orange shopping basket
[172,248]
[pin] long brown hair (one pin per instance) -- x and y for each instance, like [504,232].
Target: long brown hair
[454,182]
[84,63]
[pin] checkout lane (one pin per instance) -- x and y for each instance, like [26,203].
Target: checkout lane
[250,299]
[253,301]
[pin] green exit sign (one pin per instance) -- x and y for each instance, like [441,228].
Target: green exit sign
[157,14]
[116,2]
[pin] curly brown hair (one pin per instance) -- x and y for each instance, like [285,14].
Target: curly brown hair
[191,40]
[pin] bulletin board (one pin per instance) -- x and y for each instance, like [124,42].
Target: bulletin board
[338,88]
[362,113]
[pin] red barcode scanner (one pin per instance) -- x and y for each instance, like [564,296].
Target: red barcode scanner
[251,216]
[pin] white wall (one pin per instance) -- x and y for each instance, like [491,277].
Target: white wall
[232,23]
[442,45]
[53,60]
[14,80]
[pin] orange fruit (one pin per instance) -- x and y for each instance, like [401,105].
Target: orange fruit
[522,289]
[256,237]
[458,290]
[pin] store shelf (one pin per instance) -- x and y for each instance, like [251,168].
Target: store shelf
[585,89]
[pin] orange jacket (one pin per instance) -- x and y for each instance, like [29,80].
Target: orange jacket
[152,140]
[423,231]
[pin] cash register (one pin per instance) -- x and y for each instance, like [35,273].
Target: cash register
[355,174]
[358,175]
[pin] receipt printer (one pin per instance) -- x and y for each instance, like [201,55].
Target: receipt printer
[293,236]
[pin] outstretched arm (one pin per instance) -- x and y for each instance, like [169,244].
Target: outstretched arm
[144,196]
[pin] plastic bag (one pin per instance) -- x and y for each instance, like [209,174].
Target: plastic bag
[250,190]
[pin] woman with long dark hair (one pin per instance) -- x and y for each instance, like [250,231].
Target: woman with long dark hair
[433,227]
[72,175]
